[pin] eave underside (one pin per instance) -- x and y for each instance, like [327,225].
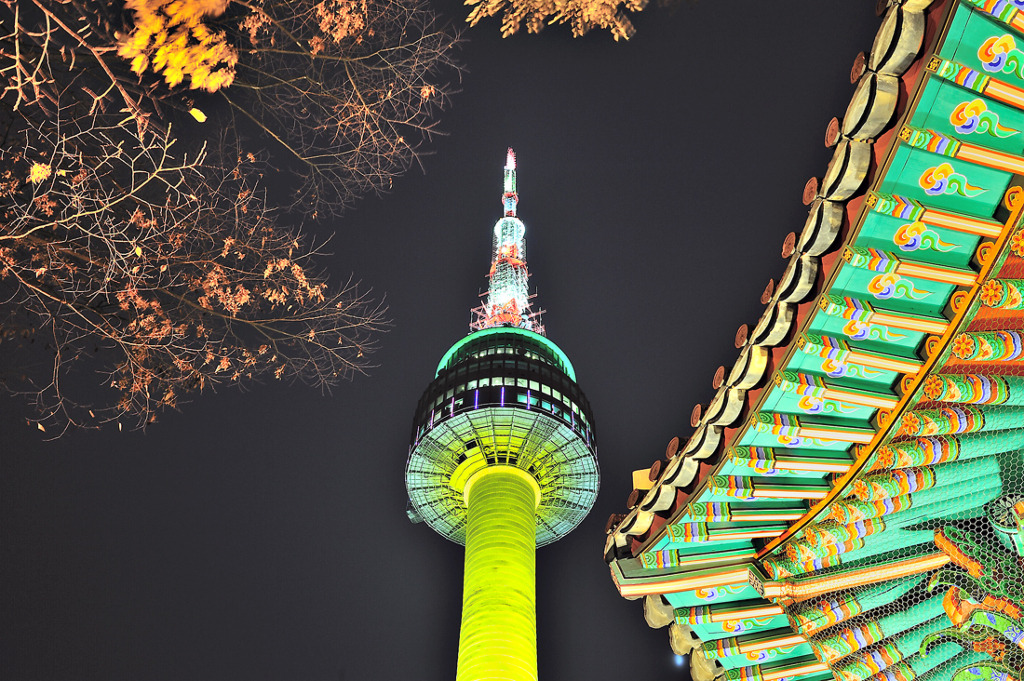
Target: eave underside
[848,504]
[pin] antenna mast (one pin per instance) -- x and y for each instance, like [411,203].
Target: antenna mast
[508,295]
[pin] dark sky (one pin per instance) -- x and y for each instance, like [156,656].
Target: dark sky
[261,535]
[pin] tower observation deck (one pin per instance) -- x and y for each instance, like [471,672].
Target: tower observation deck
[502,459]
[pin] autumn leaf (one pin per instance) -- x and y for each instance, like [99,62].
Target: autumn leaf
[38,172]
[169,36]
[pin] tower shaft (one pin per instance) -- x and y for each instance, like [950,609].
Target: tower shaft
[498,638]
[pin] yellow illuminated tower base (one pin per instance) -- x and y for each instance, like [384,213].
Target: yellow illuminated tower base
[502,459]
[498,639]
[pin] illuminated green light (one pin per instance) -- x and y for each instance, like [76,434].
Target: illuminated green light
[498,638]
[566,365]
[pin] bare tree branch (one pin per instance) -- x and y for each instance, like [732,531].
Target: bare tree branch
[164,270]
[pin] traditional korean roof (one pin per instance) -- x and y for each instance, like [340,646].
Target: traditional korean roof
[850,502]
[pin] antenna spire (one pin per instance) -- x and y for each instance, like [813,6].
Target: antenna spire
[509,199]
[508,295]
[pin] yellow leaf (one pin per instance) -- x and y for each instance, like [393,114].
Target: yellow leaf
[197,114]
[38,172]
[40,427]
[139,63]
[138,250]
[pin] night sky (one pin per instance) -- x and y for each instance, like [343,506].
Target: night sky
[262,534]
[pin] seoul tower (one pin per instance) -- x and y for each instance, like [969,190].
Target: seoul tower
[502,459]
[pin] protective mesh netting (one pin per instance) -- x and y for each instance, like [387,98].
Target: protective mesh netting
[946,493]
